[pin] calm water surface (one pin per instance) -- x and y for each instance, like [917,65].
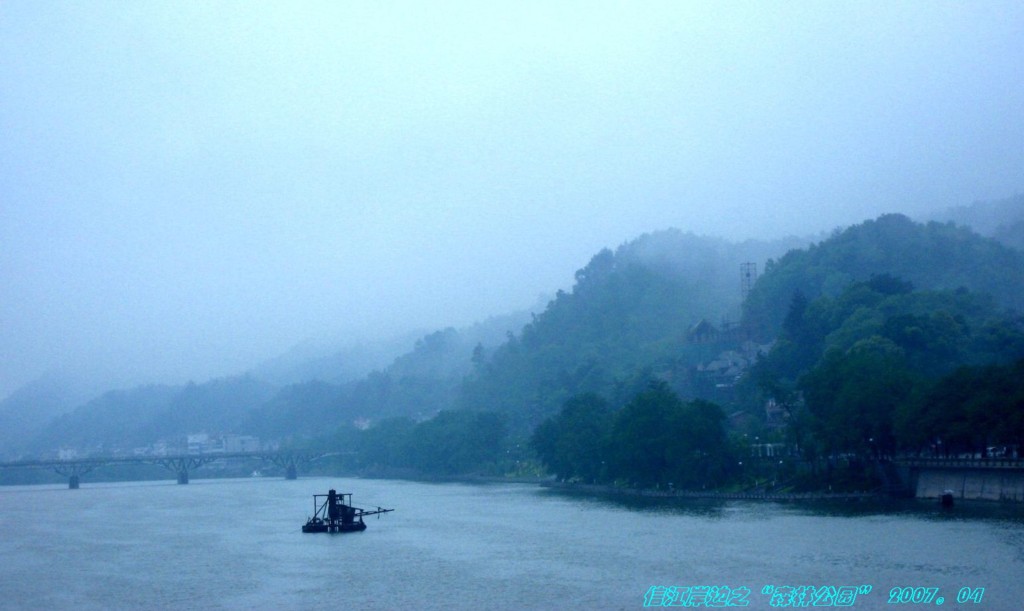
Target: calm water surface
[236,544]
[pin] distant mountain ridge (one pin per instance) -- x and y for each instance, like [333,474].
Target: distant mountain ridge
[29,408]
[417,384]
[1002,219]
[326,362]
[249,404]
[125,419]
[628,318]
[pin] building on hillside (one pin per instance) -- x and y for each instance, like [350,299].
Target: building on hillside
[229,443]
[702,332]
[240,443]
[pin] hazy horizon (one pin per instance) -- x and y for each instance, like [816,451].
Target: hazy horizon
[187,189]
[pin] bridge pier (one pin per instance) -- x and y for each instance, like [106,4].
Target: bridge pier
[290,461]
[182,464]
[73,471]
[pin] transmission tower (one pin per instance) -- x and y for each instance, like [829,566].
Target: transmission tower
[748,276]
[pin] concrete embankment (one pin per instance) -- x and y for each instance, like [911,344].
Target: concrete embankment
[998,479]
[989,485]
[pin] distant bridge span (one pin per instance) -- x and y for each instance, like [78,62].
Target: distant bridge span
[181,464]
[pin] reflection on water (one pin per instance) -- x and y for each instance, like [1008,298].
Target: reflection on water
[704,508]
[924,509]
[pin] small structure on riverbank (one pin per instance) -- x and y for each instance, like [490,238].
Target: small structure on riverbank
[335,514]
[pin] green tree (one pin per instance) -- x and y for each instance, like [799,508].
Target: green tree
[853,397]
[574,443]
[657,440]
[457,441]
[386,444]
[968,410]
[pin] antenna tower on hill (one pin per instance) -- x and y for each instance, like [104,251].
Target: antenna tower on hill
[748,276]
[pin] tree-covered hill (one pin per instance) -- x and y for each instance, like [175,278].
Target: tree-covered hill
[123,419]
[117,418]
[628,314]
[860,373]
[418,384]
[930,256]
[891,303]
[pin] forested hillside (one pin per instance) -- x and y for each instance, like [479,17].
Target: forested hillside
[854,373]
[858,370]
[627,316]
[861,335]
[867,326]
[930,256]
[873,323]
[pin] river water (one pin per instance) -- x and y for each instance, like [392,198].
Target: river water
[236,544]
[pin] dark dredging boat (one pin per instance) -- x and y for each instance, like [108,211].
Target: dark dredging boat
[335,514]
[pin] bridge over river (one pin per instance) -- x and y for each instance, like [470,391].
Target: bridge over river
[180,464]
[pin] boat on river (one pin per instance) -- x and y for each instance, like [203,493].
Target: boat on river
[336,514]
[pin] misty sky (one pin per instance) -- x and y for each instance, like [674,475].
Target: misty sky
[187,188]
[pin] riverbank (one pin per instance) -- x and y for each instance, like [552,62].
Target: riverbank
[610,490]
[606,490]
[414,475]
[712,494]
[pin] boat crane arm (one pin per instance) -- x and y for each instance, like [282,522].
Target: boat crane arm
[363,512]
